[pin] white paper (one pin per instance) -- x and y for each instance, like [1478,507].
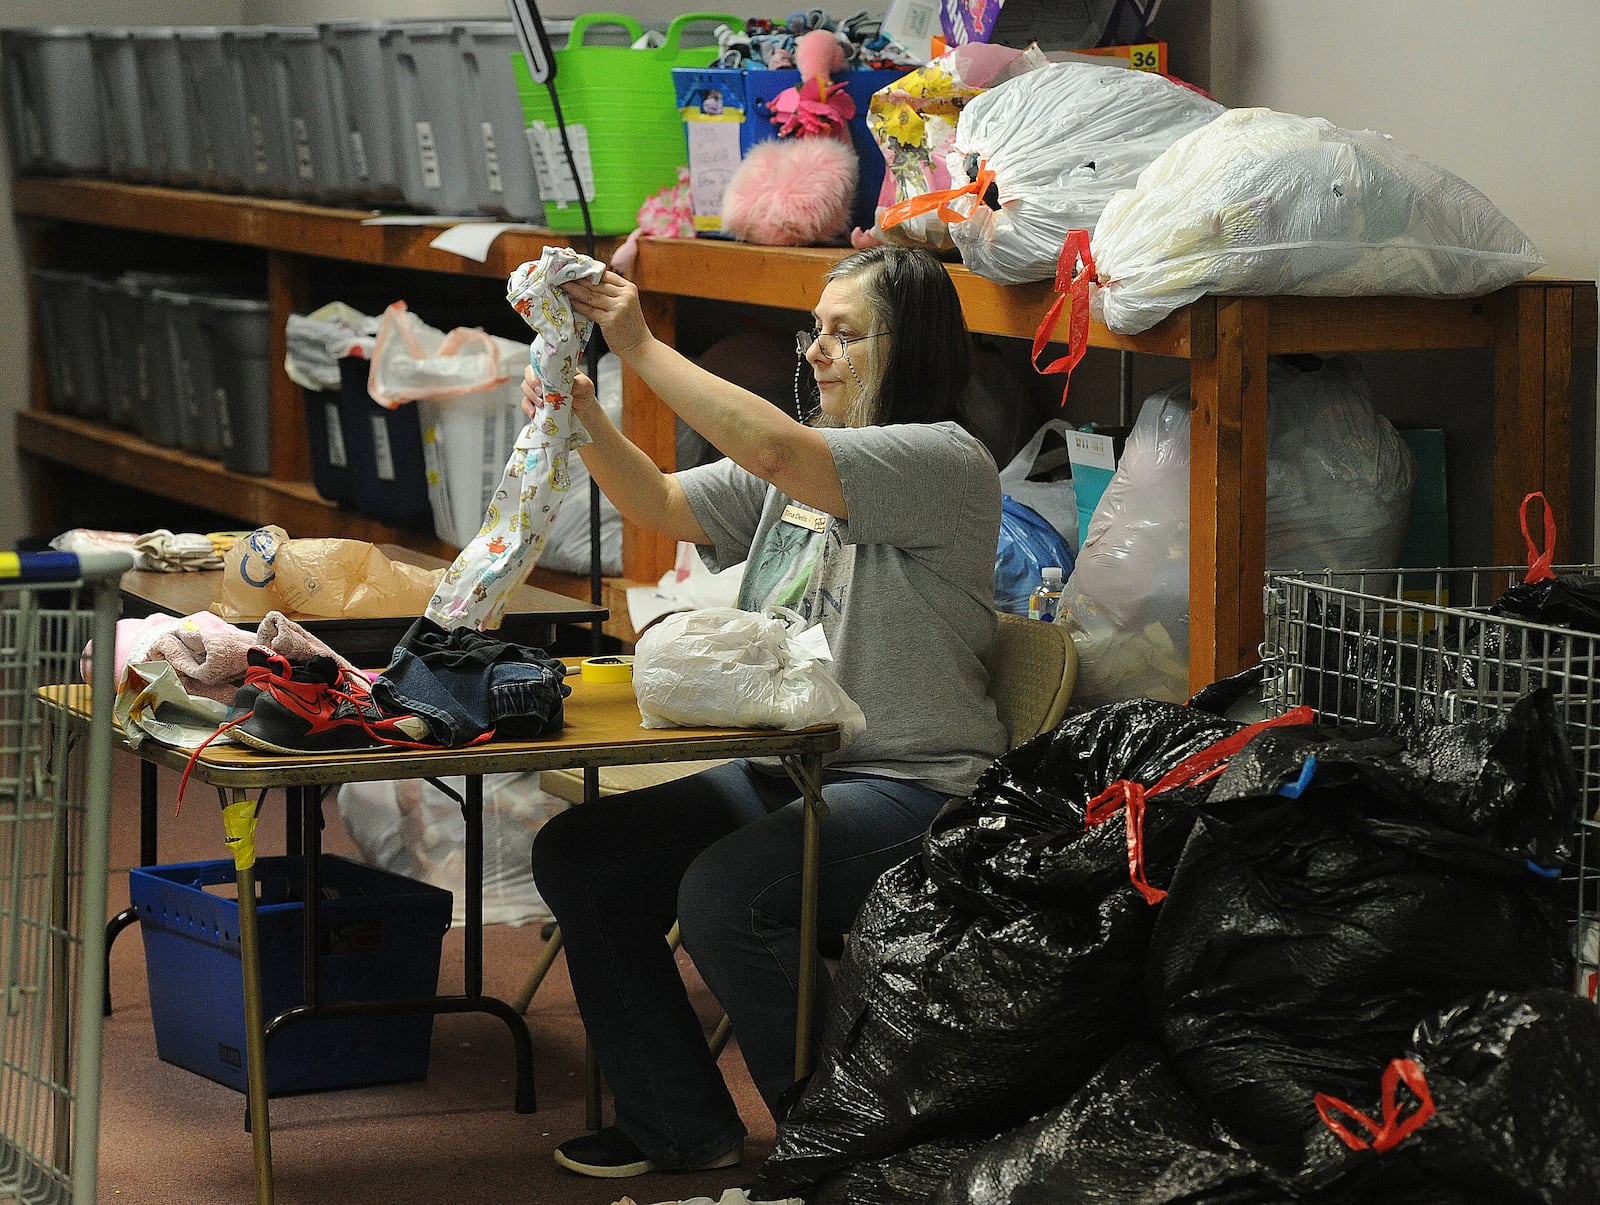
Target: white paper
[472,241]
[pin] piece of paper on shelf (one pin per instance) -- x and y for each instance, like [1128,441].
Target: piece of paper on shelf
[473,241]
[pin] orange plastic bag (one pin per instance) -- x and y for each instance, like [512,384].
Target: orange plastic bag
[327,578]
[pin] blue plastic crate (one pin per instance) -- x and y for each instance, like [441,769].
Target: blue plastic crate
[381,936]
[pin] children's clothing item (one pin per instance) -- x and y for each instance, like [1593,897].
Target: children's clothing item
[478,584]
[466,684]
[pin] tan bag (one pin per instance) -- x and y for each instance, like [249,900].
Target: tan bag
[326,578]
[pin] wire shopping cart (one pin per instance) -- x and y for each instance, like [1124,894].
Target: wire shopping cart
[55,796]
[1398,645]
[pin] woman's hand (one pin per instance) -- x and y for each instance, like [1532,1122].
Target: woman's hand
[585,404]
[613,306]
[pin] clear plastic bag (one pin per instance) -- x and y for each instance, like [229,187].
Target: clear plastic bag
[724,667]
[1055,145]
[1263,203]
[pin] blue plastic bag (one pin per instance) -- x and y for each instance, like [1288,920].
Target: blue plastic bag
[1027,544]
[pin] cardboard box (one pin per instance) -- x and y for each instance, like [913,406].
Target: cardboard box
[381,936]
[725,113]
[1094,456]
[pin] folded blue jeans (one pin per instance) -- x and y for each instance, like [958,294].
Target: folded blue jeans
[464,683]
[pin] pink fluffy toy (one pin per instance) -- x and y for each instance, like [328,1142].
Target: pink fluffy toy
[796,190]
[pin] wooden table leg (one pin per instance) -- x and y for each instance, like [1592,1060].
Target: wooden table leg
[806,771]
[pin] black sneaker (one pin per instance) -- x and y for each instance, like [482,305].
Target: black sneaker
[319,708]
[609,1154]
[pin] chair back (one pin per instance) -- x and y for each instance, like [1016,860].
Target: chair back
[1031,673]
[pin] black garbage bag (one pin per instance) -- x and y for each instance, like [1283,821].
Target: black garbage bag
[907,1177]
[1132,1134]
[1500,1098]
[1304,938]
[990,977]
[1569,600]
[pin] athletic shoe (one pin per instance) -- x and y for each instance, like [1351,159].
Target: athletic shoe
[320,707]
[609,1154]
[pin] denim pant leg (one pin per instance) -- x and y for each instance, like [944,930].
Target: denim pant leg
[609,870]
[739,907]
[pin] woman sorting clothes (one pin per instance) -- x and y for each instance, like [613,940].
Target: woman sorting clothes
[876,516]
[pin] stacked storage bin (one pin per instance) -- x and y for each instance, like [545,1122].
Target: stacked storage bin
[244,50]
[69,341]
[299,74]
[116,98]
[213,104]
[53,131]
[158,76]
[360,100]
[422,59]
[501,162]
[237,335]
[385,453]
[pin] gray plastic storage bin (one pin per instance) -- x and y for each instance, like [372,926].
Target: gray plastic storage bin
[503,178]
[236,329]
[266,168]
[66,333]
[116,96]
[194,392]
[159,76]
[310,137]
[361,100]
[213,103]
[52,130]
[424,61]
[115,320]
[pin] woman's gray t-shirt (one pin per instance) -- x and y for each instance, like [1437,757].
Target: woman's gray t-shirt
[904,588]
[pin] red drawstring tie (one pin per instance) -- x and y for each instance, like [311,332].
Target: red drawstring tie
[1394,1129]
[940,199]
[1074,270]
[1129,796]
[1539,562]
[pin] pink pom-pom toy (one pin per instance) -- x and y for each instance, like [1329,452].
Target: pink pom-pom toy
[792,193]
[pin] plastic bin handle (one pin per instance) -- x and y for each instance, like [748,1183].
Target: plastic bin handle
[581,25]
[669,48]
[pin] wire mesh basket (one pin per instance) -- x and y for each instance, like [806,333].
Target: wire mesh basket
[1393,645]
[54,819]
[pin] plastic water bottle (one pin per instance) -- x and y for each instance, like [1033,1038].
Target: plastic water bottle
[1045,600]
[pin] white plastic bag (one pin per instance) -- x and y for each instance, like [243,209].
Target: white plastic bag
[723,667]
[1054,500]
[1059,141]
[1260,202]
[1127,600]
[411,828]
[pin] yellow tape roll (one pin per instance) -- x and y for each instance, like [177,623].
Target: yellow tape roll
[608,669]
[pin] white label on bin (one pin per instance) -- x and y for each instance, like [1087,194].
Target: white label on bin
[337,456]
[258,142]
[224,423]
[428,156]
[550,163]
[1092,451]
[491,158]
[381,449]
[713,158]
[358,156]
[302,150]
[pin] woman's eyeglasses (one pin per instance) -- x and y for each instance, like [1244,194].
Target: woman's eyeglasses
[829,347]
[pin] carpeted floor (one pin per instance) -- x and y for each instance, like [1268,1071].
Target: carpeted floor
[171,1137]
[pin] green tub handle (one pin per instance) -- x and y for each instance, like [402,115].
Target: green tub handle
[582,24]
[669,49]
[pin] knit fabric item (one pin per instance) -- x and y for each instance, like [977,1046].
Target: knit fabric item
[478,584]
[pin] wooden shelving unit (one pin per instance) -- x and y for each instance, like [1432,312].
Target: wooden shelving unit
[1533,329]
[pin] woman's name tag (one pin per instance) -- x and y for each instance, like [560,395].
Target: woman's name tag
[800,516]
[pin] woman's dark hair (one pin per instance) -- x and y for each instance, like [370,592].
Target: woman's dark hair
[923,376]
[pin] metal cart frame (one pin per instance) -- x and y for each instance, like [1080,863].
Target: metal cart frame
[1384,645]
[55,803]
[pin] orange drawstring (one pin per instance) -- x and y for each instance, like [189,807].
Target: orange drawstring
[1394,1129]
[1539,569]
[940,200]
[1074,270]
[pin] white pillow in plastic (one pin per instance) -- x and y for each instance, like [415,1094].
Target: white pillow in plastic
[1262,203]
[1061,141]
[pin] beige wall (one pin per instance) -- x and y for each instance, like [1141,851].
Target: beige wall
[1505,96]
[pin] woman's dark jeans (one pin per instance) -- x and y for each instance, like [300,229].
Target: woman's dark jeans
[720,851]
